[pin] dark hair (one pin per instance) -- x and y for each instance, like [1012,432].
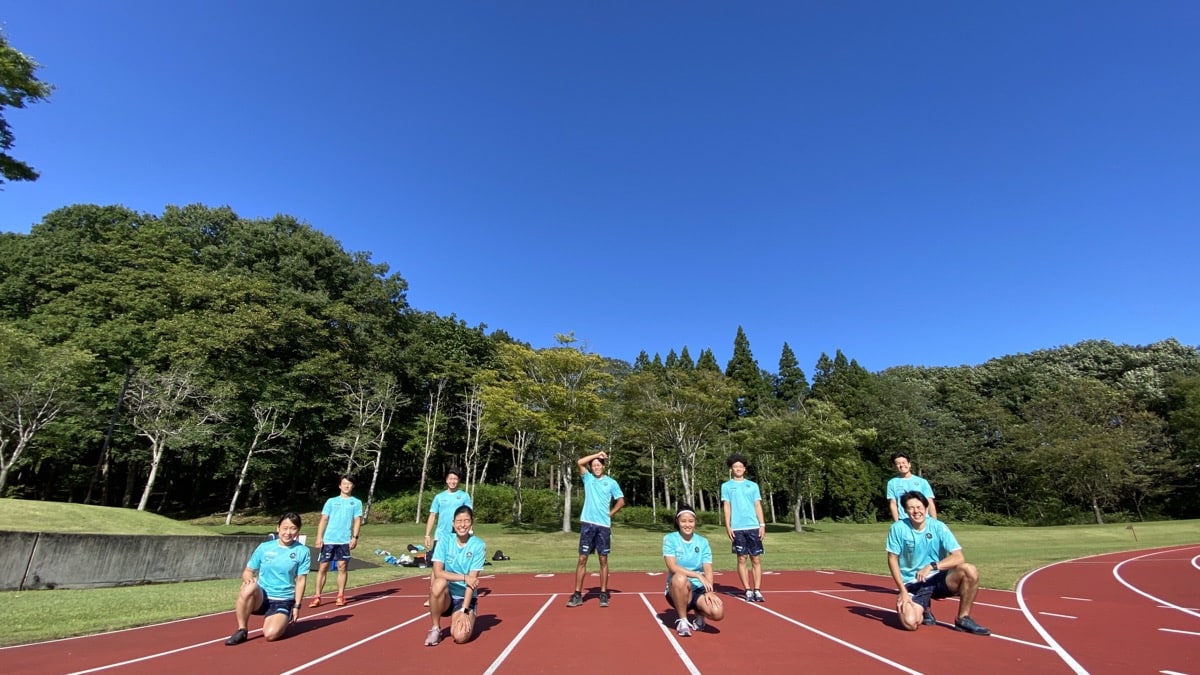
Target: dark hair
[456,471]
[913,494]
[680,511]
[599,459]
[346,478]
[735,458]
[898,455]
[465,509]
[292,516]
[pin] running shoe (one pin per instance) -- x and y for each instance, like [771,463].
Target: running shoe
[316,601]
[967,625]
[683,628]
[576,600]
[698,622]
[341,601]
[749,595]
[238,637]
[927,618]
[604,598]
[758,596]
[434,637]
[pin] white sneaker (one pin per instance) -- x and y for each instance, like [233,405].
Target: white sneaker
[698,623]
[749,595]
[683,628]
[758,596]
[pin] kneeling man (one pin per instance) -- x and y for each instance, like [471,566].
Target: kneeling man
[927,563]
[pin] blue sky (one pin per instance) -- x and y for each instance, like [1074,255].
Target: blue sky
[911,183]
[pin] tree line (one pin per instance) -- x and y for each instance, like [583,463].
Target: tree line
[196,362]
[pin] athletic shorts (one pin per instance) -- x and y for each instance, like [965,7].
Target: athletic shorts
[593,537]
[456,605]
[334,552]
[697,593]
[271,606]
[747,542]
[930,589]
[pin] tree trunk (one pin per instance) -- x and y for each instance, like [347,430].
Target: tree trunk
[431,415]
[1096,510]
[156,453]
[798,513]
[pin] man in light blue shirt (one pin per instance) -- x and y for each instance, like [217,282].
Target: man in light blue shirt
[602,498]
[741,502]
[927,563]
[337,535]
[906,481]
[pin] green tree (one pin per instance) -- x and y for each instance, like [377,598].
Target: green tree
[743,369]
[790,384]
[19,86]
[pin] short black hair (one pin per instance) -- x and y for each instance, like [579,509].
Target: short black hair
[898,455]
[735,458]
[346,478]
[292,516]
[913,494]
[456,471]
[465,509]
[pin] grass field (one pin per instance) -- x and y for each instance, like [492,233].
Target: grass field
[1003,555]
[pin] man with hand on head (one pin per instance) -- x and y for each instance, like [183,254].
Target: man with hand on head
[602,498]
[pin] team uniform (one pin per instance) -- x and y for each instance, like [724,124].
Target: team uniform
[444,505]
[690,555]
[460,560]
[277,567]
[915,549]
[595,522]
[341,512]
[897,486]
[742,495]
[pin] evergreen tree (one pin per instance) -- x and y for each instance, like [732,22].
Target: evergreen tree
[790,385]
[744,371]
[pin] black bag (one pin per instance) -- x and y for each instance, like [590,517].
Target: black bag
[500,556]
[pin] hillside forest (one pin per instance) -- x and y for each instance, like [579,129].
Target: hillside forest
[194,362]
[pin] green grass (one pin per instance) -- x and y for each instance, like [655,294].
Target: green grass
[1002,554]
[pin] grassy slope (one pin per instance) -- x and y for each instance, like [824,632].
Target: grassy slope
[1002,554]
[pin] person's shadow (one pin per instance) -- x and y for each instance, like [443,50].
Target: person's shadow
[486,622]
[307,625]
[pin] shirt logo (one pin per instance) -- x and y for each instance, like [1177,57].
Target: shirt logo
[292,556]
[696,550]
[929,535]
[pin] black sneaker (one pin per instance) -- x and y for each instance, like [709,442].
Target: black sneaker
[927,618]
[967,625]
[576,600]
[604,598]
[238,637]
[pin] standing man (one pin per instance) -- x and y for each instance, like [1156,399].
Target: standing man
[905,481]
[442,510]
[337,535]
[744,523]
[602,498]
[927,564]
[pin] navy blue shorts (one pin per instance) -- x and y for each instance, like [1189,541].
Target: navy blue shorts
[697,593]
[456,605]
[747,542]
[334,552]
[930,589]
[271,606]
[594,537]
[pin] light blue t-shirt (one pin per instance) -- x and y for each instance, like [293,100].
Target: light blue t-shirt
[897,486]
[741,495]
[444,505]
[598,496]
[460,560]
[341,512]
[916,549]
[688,554]
[278,566]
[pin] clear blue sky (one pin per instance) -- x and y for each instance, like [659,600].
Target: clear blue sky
[913,183]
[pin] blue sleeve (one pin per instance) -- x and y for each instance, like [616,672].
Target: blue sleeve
[895,543]
[433,505]
[358,508]
[946,537]
[478,559]
[706,553]
[926,488]
[668,549]
[616,490]
[305,562]
[327,510]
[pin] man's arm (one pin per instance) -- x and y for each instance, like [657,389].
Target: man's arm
[762,520]
[354,531]
[892,508]
[585,462]
[617,506]
[725,509]
[301,582]
[894,568]
[321,531]
[932,510]
[429,527]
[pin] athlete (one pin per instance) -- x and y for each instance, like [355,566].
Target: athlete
[741,502]
[690,575]
[455,580]
[273,582]
[602,498]
[337,535]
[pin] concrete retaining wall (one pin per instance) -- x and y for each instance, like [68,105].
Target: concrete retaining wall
[33,560]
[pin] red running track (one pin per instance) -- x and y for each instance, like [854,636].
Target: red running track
[1127,612]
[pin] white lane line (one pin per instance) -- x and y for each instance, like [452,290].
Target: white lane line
[512,645]
[988,604]
[1196,562]
[1117,574]
[1181,632]
[206,643]
[1062,653]
[542,576]
[848,645]
[687,661]
[330,655]
[824,572]
[944,623]
[1067,597]
[1171,672]
[1058,616]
